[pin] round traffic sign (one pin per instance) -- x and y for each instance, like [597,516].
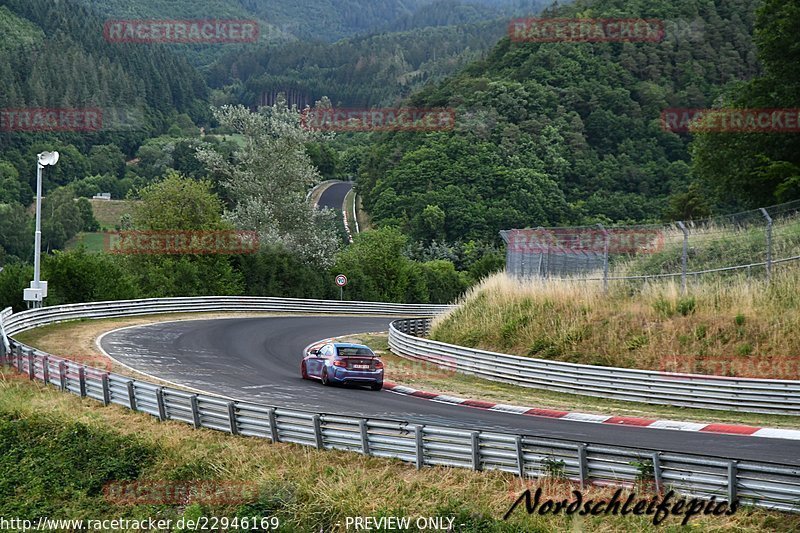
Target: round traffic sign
[341,280]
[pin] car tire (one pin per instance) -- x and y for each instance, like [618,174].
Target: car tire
[303,370]
[325,380]
[376,386]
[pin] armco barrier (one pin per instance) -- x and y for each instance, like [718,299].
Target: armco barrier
[48,315]
[762,484]
[691,390]
[5,347]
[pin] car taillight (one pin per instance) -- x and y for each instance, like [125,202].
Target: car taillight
[378,365]
[342,364]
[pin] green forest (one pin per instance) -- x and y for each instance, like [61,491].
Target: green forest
[546,134]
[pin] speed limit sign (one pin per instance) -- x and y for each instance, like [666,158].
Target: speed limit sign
[341,280]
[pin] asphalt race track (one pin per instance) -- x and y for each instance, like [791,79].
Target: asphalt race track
[333,196]
[258,359]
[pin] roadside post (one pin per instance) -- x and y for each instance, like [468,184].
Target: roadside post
[341,281]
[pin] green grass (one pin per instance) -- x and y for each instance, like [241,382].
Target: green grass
[109,212]
[92,241]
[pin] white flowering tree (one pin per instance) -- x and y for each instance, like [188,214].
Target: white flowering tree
[268,180]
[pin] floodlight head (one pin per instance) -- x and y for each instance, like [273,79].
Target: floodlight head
[48,158]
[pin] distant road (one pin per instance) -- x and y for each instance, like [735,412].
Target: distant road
[333,196]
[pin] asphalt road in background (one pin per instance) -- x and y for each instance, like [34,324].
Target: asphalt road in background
[333,196]
[258,359]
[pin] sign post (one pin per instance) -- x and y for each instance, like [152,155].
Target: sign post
[341,281]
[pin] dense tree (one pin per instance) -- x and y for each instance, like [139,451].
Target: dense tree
[268,179]
[748,170]
[173,205]
[562,133]
[107,159]
[79,276]
[12,188]
[16,232]
[14,279]
[62,219]
[375,266]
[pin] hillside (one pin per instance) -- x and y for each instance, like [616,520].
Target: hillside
[56,57]
[323,20]
[354,72]
[560,133]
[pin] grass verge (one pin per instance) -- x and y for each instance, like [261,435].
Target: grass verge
[722,327]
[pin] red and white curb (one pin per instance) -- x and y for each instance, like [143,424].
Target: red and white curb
[728,429]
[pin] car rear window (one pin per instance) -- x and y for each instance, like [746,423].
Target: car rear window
[346,352]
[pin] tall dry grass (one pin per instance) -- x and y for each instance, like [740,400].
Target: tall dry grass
[722,326]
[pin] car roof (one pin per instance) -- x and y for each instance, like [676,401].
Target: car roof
[349,345]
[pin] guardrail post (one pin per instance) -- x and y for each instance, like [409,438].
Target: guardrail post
[62,375]
[131,396]
[162,409]
[769,243]
[520,456]
[684,255]
[419,447]
[732,480]
[583,466]
[317,431]
[362,426]
[19,359]
[232,418]
[106,389]
[82,381]
[31,368]
[657,475]
[46,369]
[273,425]
[476,450]
[195,411]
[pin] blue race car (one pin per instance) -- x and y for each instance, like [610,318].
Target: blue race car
[341,363]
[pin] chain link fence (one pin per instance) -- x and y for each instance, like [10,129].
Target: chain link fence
[751,241]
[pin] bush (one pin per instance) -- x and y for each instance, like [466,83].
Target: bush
[78,276]
[13,280]
[276,272]
[444,284]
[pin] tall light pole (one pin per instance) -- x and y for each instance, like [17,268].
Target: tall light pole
[38,290]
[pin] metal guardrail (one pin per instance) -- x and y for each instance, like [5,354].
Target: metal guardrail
[49,315]
[5,346]
[686,390]
[761,484]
